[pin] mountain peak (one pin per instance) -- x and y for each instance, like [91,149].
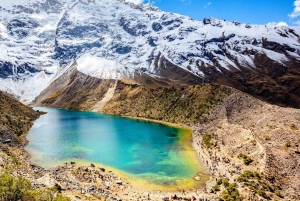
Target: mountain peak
[50,35]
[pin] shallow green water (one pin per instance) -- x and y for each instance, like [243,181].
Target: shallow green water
[152,152]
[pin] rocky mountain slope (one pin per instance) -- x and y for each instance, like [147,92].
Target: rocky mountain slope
[15,119]
[113,39]
[20,180]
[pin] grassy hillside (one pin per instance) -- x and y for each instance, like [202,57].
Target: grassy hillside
[15,121]
[186,104]
[15,118]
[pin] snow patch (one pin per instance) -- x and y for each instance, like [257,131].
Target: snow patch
[28,88]
[102,68]
[135,1]
[280,58]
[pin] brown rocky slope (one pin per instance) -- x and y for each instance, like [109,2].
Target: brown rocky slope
[15,118]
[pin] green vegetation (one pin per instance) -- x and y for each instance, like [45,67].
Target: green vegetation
[294,127]
[216,188]
[262,193]
[206,140]
[15,118]
[246,175]
[219,181]
[231,193]
[278,194]
[255,183]
[247,160]
[271,126]
[15,189]
[287,144]
[225,182]
[253,142]
[175,105]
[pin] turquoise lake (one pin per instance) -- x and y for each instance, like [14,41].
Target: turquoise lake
[154,153]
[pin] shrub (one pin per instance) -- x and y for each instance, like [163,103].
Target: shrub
[19,188]
[14,188]
[287,144]
[278,194]
[267,187]
[253,142]
[247,160]
[262,193]
[59,197]
[294,127]
[225,182]
[206,141]
[219,181]
[246,175]
[231,193]
[216,187]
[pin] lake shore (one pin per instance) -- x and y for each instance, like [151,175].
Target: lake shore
[83,181]
[127,189]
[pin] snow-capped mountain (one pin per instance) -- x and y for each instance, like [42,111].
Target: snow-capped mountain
[111,39]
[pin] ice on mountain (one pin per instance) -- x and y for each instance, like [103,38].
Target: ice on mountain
[121,37]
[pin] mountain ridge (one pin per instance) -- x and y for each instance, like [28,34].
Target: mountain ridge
[116,39]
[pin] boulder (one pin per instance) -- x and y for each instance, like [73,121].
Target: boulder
[118,182]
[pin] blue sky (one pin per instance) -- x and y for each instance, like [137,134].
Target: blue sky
[245,11]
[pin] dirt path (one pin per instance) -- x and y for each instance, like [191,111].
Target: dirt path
[109,94]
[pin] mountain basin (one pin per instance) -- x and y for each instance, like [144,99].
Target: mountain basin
[148,154]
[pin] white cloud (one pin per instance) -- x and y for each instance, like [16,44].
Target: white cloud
[207,5]
[296,11]
[297,22]
[278,24]
[136,1]
[282,24]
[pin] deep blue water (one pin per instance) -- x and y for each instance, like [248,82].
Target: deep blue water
[148,150]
